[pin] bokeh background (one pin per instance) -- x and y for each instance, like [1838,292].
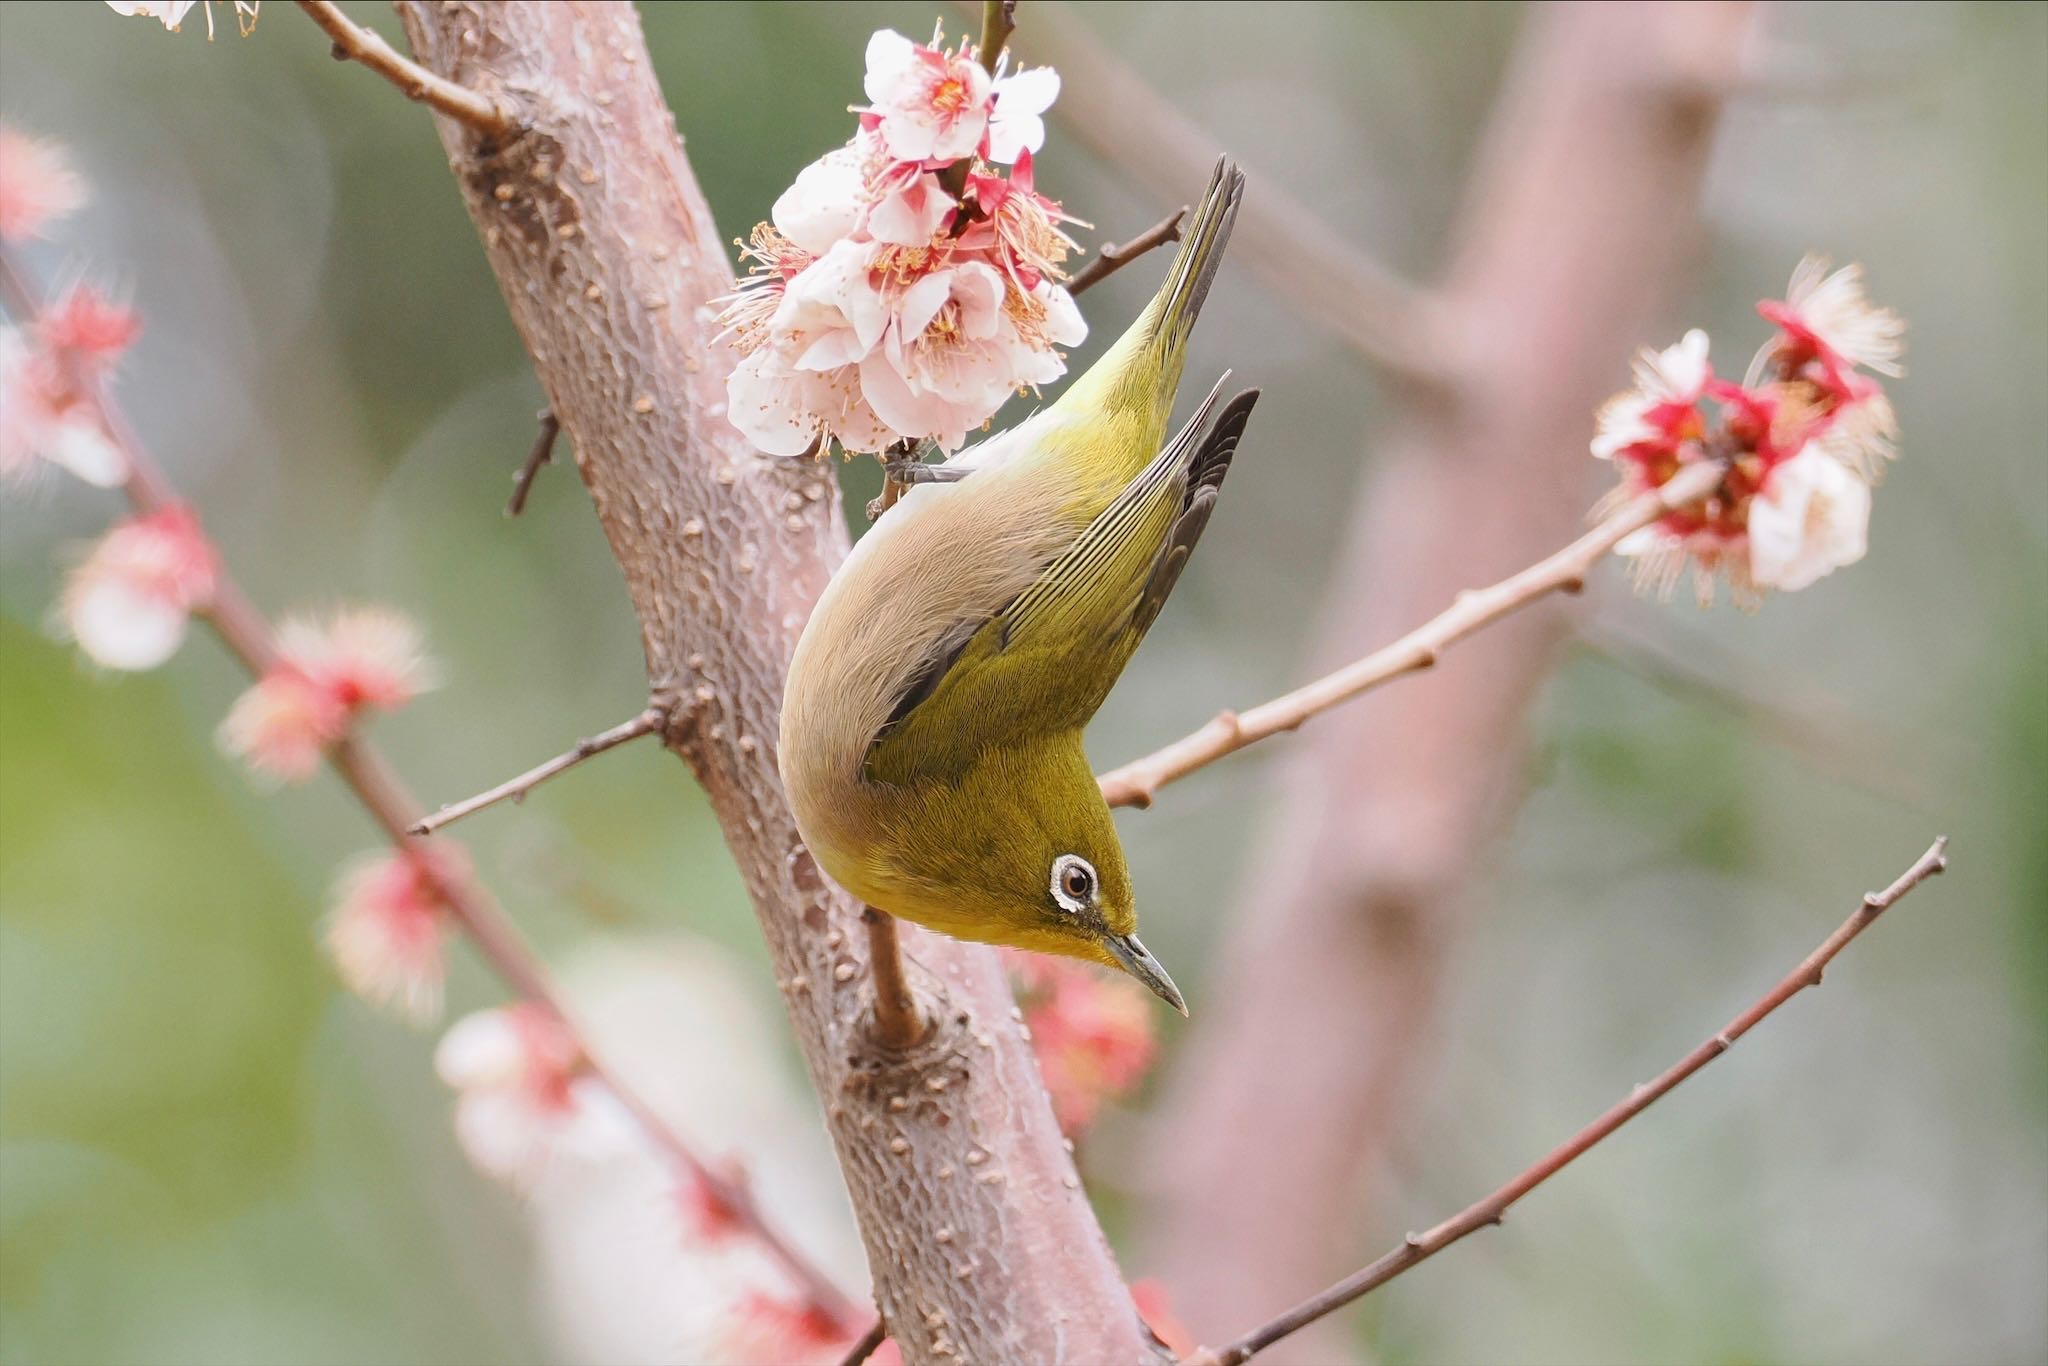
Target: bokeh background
[210,1153]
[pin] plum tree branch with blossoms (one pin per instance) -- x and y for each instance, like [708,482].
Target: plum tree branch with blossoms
[417,884]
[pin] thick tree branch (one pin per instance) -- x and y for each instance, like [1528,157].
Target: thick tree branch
[354,43]
[515,789]
[1138,782]
[1419,1247]
[980,1241]
[247,634]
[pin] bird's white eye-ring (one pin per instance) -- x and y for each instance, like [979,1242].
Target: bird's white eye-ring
[1073,883]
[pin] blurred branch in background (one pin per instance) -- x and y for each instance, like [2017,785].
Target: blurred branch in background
[1319,274]
[1580,217]
[1416,1248]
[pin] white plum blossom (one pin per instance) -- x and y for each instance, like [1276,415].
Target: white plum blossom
[1668,383]
[171,13]
[128,601]
[1017,124]
[905,287]
[930,105]
[1811,518]
[1799,442]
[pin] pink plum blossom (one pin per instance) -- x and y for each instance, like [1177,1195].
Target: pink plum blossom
[770,1330]
[171,13]
[930,105]
[128,601]
[45,419]
[37,186]
[326,674]
[1091,1032]
[282,725]
[389,922]
[88,326]
[525,1097]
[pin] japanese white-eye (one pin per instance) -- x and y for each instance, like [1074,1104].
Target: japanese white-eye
[931,726]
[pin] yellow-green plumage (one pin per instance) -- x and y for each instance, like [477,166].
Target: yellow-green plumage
[931,729]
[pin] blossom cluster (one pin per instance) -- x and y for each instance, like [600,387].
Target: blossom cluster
[909,282]
[1804,437]
[130,596]
[1091,1032]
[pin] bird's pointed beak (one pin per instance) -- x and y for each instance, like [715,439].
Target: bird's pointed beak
[1138,961]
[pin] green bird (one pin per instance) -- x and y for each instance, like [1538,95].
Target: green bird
[931,726]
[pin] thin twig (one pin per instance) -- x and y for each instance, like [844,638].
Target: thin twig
[1138,782]
[865,1348]
[1117,255]
[353,42]
[247,634]
[515,789]
[542,452]
[898,1024]
[1419,1247]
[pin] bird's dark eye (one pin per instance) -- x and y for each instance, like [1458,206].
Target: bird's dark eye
[1073,883]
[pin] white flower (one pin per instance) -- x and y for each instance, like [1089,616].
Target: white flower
[1831,312]
[931,105]
[947,361]
[826,201]
[1811,518]
[910,206]
[1668,382]
[1018,123]
[127,603]
[170,13]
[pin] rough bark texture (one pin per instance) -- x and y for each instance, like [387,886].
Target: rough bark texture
[1581,212]
[981,1243]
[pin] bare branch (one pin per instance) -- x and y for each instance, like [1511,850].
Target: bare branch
[353,42]
[515,789]
[1417,1248]
[1138,782]
[1116,256]
[865,1348]
[542,452]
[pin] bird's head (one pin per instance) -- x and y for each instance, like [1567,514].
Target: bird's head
[1037,866]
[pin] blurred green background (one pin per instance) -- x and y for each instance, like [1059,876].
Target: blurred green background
[208,1153]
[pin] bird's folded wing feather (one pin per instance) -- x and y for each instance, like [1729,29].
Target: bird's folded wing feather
[1045,662]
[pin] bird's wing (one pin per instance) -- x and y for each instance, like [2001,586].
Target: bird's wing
[1044,662]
